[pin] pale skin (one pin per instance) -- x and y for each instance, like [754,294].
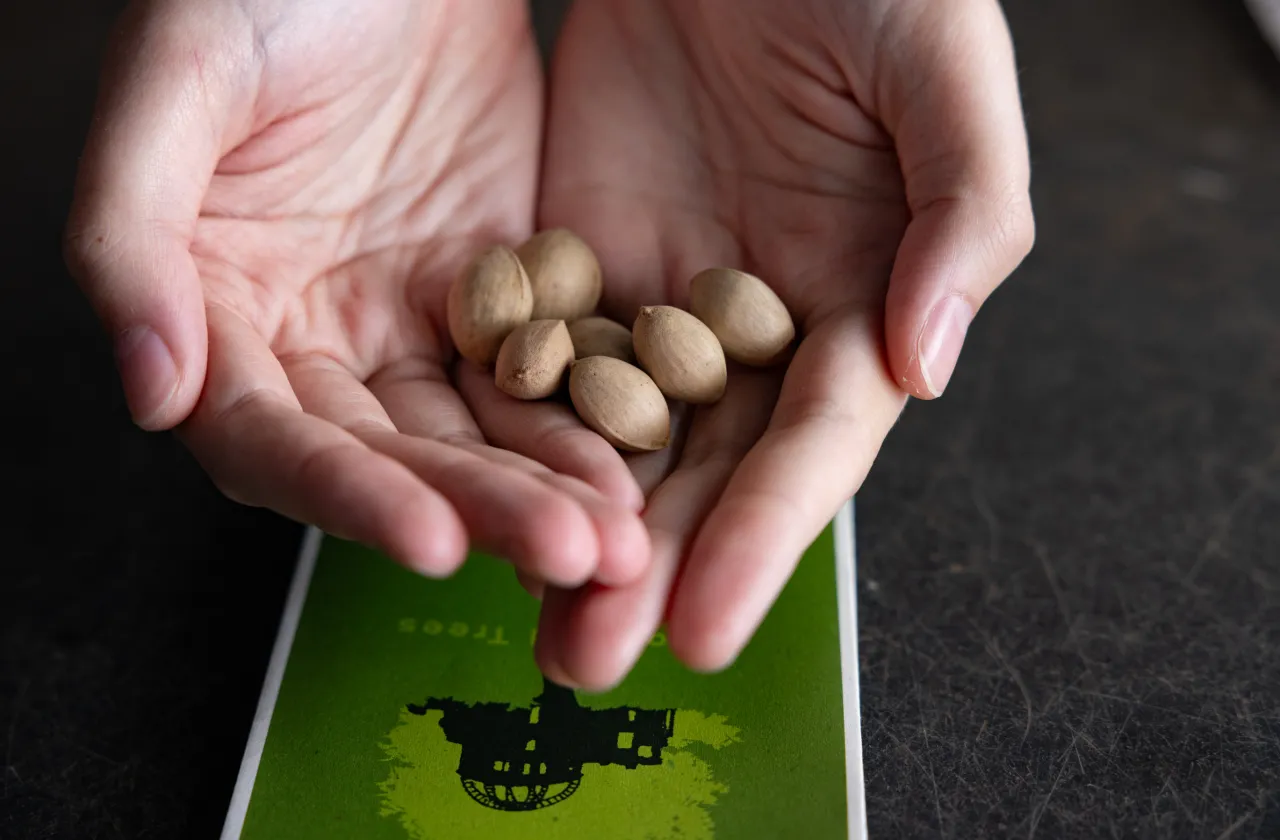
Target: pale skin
[276,196]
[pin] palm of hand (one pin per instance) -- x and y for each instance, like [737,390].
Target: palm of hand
[362,155]
[367,174]
[687,135]
[720,139]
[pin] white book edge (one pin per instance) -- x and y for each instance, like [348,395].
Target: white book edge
[847,600]
[239,807]
[847,592]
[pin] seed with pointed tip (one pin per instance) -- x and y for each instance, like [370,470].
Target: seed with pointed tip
[681,354]
[533,360]
[620,403]
[750,320]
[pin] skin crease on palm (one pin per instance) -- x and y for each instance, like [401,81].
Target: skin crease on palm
[307,185]
[300,182]
[868,160]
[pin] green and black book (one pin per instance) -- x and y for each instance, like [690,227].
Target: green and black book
[401,708]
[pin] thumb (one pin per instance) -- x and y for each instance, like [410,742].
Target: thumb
[954,111]
[151,151]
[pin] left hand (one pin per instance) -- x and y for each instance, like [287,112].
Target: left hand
[867,160]
[272,205]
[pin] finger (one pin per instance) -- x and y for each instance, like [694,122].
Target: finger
[555,609]
[624,542]
[421,402]
[603,631]
[963,148]
[250,434]
[550,433]
[622,536]
[531,585]
[154,142]
[591,637]
[328,390]
[508,512]
[837,406]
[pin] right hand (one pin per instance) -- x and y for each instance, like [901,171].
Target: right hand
[868,160]
[274,198]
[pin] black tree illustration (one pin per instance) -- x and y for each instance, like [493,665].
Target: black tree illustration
[525,759]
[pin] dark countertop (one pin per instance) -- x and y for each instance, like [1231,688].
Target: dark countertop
[1070,566]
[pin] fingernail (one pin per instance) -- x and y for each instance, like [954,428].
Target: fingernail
[147,371]
[941,340]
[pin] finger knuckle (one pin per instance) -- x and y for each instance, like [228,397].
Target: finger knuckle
[1013,228]
[325,467]
[231,490]
[552,507]
[90,250]
[1022,227]
[224,474]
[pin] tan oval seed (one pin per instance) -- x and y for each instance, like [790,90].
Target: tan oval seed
[750,320]
[620,403]
[597,336]
[681,354]
[489,299]
[564,274]
[533,360]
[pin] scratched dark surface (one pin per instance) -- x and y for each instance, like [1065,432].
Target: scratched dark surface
[1070,566]
[1070,592]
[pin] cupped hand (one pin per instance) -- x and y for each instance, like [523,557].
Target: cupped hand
[868,160]
[273,200]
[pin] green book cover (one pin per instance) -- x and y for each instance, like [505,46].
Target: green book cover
[401,708]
